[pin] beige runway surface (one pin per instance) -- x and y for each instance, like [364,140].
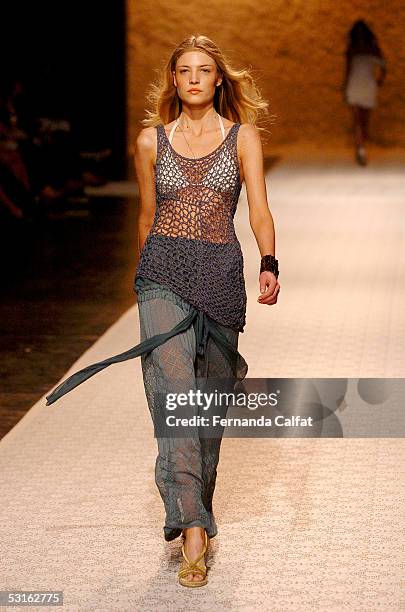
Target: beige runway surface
[304,524]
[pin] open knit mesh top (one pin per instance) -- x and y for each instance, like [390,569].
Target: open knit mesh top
[192,247]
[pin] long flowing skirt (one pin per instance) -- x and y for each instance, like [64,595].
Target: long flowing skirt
[186,467]
[181,349]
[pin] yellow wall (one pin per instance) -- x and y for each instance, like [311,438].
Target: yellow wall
[295,49]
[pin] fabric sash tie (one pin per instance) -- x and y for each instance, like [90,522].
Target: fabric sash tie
[204,326]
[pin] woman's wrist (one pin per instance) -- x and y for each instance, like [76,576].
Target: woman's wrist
[270,264]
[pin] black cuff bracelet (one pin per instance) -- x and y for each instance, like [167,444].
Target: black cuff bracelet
[269,263]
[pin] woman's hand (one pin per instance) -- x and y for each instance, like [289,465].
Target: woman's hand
[269,288]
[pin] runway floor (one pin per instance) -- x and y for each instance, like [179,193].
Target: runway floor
[304,524]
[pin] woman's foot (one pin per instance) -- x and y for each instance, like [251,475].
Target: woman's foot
[193,545]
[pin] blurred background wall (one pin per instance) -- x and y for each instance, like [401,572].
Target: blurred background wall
[296,49]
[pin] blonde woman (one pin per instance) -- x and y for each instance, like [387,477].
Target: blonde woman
[199,144]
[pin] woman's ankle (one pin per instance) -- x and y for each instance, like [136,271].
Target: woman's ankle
[193,531]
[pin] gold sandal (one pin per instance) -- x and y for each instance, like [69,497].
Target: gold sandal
[196,567]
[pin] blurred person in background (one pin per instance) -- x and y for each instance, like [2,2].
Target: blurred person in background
[363,56]
[41,164]
[15,188]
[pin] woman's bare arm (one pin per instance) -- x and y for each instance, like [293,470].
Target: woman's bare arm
[260,218]
[145,160]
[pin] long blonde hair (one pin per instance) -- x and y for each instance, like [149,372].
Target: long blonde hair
[237,98]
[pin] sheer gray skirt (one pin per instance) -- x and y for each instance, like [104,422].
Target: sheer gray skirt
[185,467]
[181,349]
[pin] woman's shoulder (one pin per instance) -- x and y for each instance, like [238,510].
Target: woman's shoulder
[249,133]
[146,136]
[249,140]
[146,142]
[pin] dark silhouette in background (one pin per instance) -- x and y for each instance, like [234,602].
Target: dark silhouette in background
[40,159]
[62,128]
[360,84]
[62,103]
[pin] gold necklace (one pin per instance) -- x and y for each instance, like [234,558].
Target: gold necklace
[182,131]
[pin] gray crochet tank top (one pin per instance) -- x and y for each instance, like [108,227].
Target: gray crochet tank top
[192,247]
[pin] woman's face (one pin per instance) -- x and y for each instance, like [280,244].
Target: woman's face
[195,70]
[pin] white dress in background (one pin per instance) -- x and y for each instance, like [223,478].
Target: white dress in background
[361,88]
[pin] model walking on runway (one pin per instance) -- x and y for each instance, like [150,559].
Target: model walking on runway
[200,144]
[363,55]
